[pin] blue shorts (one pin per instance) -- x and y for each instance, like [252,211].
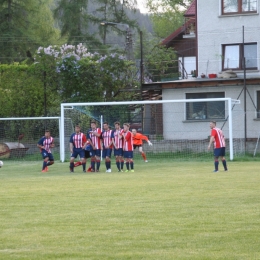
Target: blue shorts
[107,153]
[219,151]
[128,154]
[118,152]
[45,154]
[96,152]
[78,151]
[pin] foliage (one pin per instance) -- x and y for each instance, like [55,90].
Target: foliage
[73,20]
[23,26]
[162,5]
[65,74]
[166,23]
[167,15]
[161,63]
[21,91]
[117,75]
[112,11]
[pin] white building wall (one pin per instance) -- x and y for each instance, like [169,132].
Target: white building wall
[215,29]
[174,115]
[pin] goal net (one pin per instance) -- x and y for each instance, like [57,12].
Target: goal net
[178,129]
[19,137]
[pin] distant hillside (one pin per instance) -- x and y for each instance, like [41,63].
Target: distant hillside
[112,38]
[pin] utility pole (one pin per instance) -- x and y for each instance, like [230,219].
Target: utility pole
[129,44]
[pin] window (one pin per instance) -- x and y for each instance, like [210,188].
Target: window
[258,104]
[205,110]
[233,56]
[238,6]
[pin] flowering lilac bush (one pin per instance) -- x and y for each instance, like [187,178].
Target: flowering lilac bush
[83,76]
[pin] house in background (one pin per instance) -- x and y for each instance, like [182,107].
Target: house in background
[183,40]
[220,36]
[226,35]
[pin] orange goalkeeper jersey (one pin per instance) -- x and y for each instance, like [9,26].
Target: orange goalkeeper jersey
[138,139]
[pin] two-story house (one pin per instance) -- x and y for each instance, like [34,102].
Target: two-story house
[227,38]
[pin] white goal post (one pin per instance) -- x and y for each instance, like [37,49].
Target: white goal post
[177,121]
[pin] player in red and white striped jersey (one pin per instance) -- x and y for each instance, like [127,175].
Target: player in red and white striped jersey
[45,143]
[118,140]
[219,145]
[107,145]
[128,147]
[77,147]
[94,139]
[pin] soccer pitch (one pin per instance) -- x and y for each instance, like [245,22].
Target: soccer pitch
[164,210]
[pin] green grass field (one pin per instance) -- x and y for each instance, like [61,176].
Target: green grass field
[164,210]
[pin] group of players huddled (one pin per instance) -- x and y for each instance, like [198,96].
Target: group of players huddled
[95,143]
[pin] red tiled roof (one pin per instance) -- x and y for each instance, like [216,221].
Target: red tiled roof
[191,11]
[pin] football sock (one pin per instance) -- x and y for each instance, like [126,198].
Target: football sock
[224,164]
[118,165]
[143,155]
[50,163]
[127,165]
[107,165]
[72,166]
[44,165]
[132,165]
[98,164]
[76,164]
[122,164]
[84,166]
[93,162]
[216,165]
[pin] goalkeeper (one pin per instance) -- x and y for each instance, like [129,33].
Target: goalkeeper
[138,142]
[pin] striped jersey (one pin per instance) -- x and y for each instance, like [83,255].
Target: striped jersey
[46,142]
[78,140]
[219,137]
[107,138]
[128,141]
[95,139]
[117,135]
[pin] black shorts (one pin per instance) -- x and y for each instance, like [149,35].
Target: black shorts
[139,145]
[87,154]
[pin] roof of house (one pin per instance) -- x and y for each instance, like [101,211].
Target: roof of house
[178,32]
[175,34]
[191,11]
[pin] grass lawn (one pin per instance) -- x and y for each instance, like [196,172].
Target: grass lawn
[164,210]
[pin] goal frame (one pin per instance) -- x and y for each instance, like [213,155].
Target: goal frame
[65,106]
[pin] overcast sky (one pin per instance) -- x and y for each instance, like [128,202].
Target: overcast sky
[141,5]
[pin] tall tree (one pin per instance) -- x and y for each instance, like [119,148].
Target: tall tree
[73,20]
[113,11]
[24,25]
